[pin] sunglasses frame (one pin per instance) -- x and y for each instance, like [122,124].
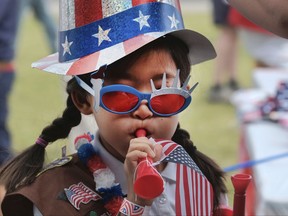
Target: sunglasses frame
[98,91]
[143,96]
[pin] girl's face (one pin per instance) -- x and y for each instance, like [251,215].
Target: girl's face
[116,130]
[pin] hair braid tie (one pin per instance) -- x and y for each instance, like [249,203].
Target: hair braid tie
[40,141]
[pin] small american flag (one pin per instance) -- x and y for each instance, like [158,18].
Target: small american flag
[80,193]
[194,193]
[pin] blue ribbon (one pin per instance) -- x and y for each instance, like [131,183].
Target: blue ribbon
[251,163]
[123,27]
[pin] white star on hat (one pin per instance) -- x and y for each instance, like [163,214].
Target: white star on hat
[102,35]
[142,20]
[66,46]
[174,21]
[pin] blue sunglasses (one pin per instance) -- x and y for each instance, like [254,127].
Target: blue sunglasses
[123,99]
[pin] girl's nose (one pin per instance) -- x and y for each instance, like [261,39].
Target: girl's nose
[143,111]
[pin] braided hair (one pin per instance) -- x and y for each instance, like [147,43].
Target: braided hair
[22,169]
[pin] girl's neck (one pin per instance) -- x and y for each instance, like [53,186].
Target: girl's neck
[111,150]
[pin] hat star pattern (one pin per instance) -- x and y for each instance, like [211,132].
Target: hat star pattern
[174,21]
[142,20]
[102,35]
[66,46]
[146,17]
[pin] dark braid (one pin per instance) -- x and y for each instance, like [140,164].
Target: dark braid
[210,169]
[23,169]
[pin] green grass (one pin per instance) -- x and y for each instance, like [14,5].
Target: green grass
[38,97]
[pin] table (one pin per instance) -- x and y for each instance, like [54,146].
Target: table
[269,190]
[267,79]
[267,194]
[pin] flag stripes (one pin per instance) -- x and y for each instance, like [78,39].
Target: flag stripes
[194,193]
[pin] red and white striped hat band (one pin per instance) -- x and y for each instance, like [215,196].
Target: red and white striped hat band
[97,32]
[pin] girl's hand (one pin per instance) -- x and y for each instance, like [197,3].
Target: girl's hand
[139,148]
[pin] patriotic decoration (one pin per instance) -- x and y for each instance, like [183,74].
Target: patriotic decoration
[104,178]
[131,209]
[80,193]
[95,32]
[194,193]
[272,108]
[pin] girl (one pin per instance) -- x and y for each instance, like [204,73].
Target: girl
[138,92]
[116,135]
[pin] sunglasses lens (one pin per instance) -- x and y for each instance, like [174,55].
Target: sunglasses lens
[119,101]
[167,104]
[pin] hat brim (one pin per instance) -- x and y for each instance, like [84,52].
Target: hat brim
[200,50]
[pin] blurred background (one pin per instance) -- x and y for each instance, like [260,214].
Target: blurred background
[38,97]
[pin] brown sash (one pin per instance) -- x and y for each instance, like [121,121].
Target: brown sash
[47,193]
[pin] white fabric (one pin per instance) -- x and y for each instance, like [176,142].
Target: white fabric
[267,79]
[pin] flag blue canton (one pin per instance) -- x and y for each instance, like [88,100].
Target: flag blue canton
[179,155]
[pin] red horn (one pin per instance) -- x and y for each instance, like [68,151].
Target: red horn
[240,183]
[148,182]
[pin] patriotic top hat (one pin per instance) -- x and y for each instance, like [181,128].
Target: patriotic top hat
[97,32]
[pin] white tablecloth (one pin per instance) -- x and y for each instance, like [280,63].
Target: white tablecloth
[263,140]
[267,79]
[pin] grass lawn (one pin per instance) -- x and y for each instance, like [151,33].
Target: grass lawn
[38,97]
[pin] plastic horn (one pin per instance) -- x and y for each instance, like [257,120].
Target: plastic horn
[240,183]
[148,182]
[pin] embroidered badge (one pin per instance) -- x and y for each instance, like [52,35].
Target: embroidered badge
[57,163]
[80,193]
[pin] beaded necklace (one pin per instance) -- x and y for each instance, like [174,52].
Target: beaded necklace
[104,178]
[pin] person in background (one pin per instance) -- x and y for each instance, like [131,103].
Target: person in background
[224,81]
[271,15]
[9,21]
[39,9]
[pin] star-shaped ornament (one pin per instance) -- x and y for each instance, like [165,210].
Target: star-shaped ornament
[174,21]
[66,46]
[142,20]
[102,35]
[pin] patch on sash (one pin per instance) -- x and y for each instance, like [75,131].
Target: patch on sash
[80,193]
[57,163]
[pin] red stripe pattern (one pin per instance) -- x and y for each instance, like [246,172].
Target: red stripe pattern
[87,11]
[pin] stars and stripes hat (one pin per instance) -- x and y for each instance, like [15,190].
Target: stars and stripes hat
[97,32]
